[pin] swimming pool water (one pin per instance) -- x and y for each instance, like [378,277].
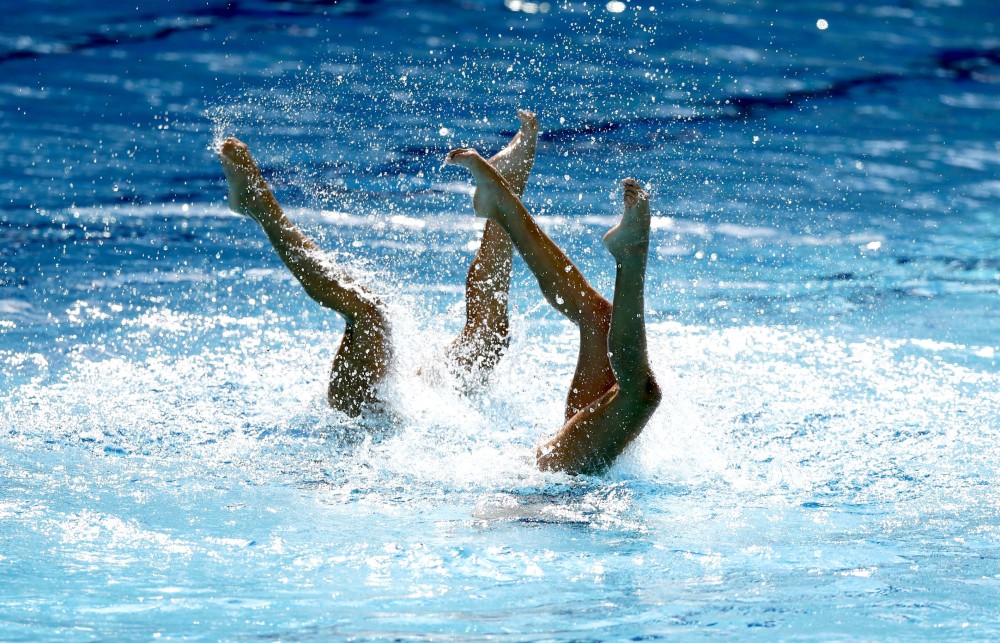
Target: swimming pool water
[822,302]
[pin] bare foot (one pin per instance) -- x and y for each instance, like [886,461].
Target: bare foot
[488,180]
[632,233]
[248,193]
[466,157]
[529,122]
[514,161]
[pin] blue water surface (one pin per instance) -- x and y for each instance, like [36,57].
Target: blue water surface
[822,302]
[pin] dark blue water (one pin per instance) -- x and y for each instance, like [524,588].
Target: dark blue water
[823,307]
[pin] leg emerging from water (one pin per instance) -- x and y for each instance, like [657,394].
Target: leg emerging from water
[599,431]
[594,437]
[561,282]
[364,354]
[485,337]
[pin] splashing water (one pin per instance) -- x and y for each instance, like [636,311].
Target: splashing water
[821,298]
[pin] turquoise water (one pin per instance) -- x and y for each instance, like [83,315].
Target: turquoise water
[822,299]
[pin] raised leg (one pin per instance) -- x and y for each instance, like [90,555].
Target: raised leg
[593,438]
[364,354]
[483,340]
[561,282]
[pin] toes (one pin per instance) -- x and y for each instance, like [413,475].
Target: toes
[233,148]
[632,192]
[460,154]
[527,117]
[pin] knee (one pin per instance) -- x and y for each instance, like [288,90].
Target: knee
[653,394]
[369,313]
[374,325]
[602,311]
[366,336]
[648,393]
[595,313]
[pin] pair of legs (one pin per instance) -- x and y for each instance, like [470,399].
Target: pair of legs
[365,351]
[486,334]
[613,393]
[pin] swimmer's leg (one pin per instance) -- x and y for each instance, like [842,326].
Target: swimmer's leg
[486,334]
[594,437]
[561,282]
[364,354]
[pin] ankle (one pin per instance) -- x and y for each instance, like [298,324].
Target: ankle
[630,252]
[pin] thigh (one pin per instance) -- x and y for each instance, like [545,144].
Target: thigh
[361,363]
[593,438]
